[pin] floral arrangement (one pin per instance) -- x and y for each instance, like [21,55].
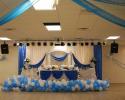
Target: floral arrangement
[24,83]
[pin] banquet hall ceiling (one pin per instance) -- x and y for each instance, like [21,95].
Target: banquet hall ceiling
[76,22]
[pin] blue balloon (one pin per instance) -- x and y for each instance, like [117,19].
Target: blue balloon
[29,89]
[7,86]
[81,86]
[13,83]
[88,82]
[96,85]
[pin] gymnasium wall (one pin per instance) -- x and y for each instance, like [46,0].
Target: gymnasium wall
[9,66]
[111,70]
[114,65]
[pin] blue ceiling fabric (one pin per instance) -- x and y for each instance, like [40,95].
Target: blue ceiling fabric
[20,9]
[38,64]
[59,58]
[80,65]
[116,2]
[100,12]
[21,58]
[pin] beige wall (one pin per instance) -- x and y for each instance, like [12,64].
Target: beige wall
[9,66]
[111,70]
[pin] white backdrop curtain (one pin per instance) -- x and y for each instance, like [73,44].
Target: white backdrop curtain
[83,53]
[36,53]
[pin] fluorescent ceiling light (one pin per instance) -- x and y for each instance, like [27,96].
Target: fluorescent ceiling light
[45,5]
[4,38]
[52,26]
[113,37]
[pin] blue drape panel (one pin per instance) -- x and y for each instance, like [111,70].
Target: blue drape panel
[116,2]
[78,64]
[59,58]
[57,74]
[38,64]
[45,75]
[98,57]
[71,75]
[21,57]
[20,9]
[100,12]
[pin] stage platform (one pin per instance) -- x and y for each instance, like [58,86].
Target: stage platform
[115,92]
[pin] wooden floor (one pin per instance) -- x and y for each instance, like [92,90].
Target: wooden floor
[115,92]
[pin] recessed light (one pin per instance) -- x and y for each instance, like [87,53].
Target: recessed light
[39,43]
[44,43]
[33,43]
[62,43]
[74,43]
[99,43]
[20,44]
[28,44]
[51,43]
[113,37]
[52,26]
[86,43]
[92,43]
[14,44]
[82,44]
[68,44]
[4,38]
[45,4]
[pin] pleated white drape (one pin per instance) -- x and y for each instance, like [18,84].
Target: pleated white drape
[83,53]
[36,53]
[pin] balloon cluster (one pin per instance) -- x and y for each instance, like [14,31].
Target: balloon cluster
[24,83]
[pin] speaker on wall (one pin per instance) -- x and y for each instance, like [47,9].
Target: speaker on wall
[4,48]
[114,47]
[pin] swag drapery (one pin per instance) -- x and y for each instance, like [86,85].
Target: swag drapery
[59,58]
[38,64]
[71,75]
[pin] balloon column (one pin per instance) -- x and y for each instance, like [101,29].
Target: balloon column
[24,83]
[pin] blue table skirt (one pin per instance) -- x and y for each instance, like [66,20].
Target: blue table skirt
[70,74]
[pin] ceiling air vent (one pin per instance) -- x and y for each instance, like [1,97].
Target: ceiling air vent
[9,29]
[83,28]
